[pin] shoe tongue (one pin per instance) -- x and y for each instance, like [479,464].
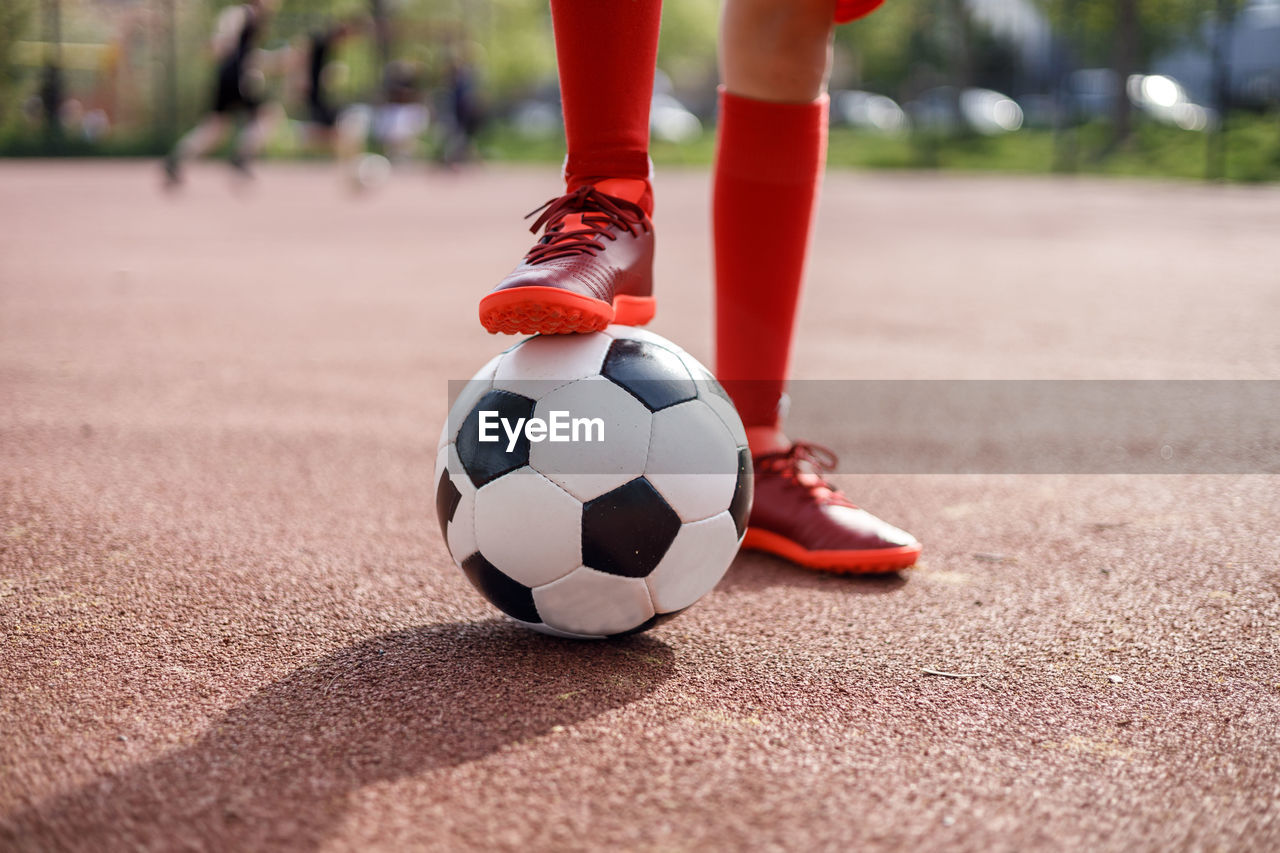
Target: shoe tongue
[571,222]
[824,492]
[809,478]
[812,479]
[632,189]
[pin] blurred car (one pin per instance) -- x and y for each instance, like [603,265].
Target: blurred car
[989,112]
[1166,101]
[983,111]
[539,117]
[536,119]
[1040,109]
[868,111]
[671,121]
[1093,92]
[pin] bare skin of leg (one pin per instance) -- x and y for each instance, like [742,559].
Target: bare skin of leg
[254,137]
[346,140]
[203,138]
[351,133]
[775,50]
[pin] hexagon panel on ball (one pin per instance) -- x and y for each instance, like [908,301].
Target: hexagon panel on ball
[526,525]
[594,603]
[543,363]
[617,426]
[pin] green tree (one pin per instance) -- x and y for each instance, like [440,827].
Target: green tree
[15,18]
[1123,35]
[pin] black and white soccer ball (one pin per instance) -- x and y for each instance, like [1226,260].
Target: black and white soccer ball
[631,516]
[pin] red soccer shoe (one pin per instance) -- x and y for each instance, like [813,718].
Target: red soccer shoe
[593,266]
[799,516]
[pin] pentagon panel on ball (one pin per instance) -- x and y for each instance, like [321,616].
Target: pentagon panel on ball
[593,485]
[653,374]
[625,532]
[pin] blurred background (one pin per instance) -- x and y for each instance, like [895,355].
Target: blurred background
[1176,88]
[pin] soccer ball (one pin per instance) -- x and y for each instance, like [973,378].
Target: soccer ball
[593,485]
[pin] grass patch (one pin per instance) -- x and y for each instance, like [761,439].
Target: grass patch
[1154,151]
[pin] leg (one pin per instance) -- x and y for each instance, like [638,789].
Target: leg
[351,133]
[770,157]
[198,141]
[203,138]
[594,263]
[776,50]
[606,53]
[350,137]
[255,135]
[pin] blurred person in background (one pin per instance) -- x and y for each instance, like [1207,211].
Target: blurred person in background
[593,263]
[465,110]
[345,130]
[239,92]
[402,118]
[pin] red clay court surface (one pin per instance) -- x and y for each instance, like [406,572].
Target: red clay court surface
[229,621]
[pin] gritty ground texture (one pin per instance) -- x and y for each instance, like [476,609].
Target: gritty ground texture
[227,619]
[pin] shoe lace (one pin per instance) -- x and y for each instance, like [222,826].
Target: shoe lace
[602,216]
[804,463]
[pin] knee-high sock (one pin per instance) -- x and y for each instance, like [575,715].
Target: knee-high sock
[606,51]
[769,162]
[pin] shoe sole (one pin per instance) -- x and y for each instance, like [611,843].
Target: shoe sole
[855,562]
[536,310]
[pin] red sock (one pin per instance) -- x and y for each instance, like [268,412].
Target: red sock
[769,162]
[606,52]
